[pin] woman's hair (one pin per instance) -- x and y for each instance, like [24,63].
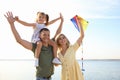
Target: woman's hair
[57,40]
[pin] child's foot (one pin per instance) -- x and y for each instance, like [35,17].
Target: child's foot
[56,61]
[36,62]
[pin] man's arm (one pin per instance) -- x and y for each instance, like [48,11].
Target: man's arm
[11,20]
[60,27]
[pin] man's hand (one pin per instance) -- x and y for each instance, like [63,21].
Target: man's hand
[9,17]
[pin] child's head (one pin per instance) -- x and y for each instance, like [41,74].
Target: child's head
[47,19]
[42,18]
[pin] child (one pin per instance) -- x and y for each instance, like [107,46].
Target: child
[42,21]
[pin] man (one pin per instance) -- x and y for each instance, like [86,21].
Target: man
[45,69]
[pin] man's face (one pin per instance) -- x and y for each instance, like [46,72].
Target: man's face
[45,36]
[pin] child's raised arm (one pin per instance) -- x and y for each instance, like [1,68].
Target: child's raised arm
[53,21]
[24,23]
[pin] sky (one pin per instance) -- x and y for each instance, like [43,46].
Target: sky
[102,37]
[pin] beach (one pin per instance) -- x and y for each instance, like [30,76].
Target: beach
[94,70]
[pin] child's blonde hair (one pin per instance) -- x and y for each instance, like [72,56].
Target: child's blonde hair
[46,16]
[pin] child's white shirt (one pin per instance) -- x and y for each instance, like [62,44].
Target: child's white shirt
[35,36]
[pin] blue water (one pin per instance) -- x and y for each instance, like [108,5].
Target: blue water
[94,70]
[102,70]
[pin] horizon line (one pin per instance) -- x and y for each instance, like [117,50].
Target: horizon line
[33,59]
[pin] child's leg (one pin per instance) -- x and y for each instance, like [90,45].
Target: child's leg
[55,60]
[37,53]
[52,43]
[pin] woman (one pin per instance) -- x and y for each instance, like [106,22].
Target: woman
[70,66]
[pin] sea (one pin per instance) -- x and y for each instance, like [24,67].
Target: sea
[23,69]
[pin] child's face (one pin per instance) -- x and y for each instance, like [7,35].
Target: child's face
[41,18]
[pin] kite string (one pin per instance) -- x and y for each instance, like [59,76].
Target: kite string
[82,57]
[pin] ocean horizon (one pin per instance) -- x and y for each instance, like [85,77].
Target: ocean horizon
[95,69]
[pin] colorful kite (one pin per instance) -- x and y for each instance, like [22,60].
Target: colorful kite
[84,23]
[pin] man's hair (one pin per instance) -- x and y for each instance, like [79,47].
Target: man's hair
[44,29]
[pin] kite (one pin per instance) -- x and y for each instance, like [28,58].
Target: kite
[84,23]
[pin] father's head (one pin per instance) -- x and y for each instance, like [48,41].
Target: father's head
[44,35]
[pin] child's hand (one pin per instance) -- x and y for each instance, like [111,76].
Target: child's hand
[61,17]
[56,65]
[16,18]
